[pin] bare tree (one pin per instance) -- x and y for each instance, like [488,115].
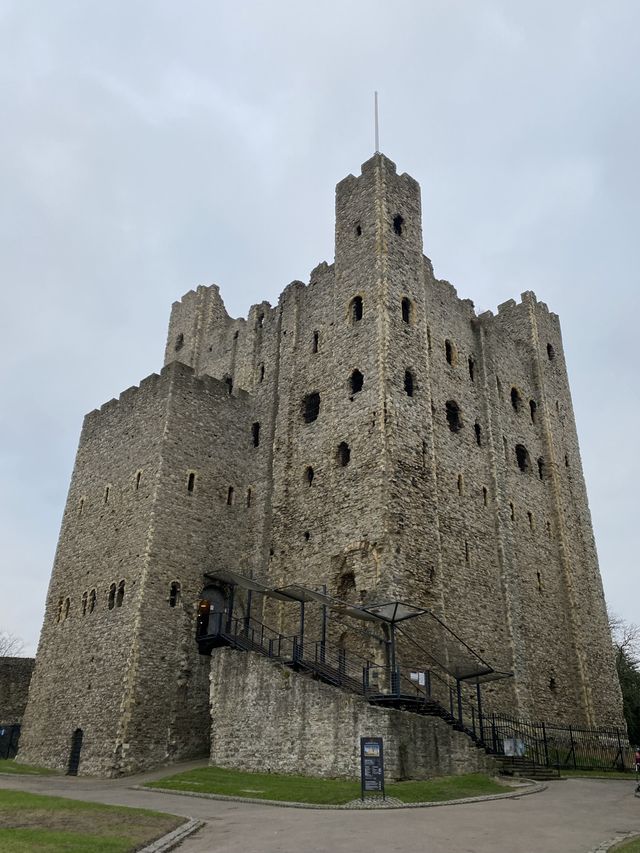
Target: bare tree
[10,645]
[626,638]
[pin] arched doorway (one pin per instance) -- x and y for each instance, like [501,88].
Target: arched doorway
[74,756]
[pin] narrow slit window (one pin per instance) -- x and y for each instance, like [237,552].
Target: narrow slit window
[107,492]
[406,310]
[551,353]
[260,321]
[485,495]
[522,457]
[249,498]
[120,594]
[138,478]
[174,594]
[356,309]
[541,467]
[309,474]
[85,598]
[307,535]
[409,383]
[66,608]
[516,400]
[230,495]
[255,434]
[59,610]
[478,431]
[316,342]
[449,352]
[472,369]
[311,407]
[111,600]
[530,517]
[93,595]
[179,343]
[453,416]
[539,577]
[533,406]
[466,551]
[191,482]
[512,511]
[261,372]
[81,507]
[358,229]
[228,381]
[344,454]
[356,382]
[398,223]
[460,484]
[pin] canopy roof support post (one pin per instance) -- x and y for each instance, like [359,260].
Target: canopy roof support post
[300,644]
[230,611]
[395,681]
[480,721]
[459,692]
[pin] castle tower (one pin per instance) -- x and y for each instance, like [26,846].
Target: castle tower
[370,434]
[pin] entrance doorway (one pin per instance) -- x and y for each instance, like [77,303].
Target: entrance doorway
[74,757]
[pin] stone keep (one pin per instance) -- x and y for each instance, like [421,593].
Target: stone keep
[370,433]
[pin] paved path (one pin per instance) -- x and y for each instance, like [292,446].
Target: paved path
[573,816]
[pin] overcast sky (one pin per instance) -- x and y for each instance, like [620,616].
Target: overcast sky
[149,147]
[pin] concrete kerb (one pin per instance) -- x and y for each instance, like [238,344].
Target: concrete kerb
[390,803]
[173,839]
[614,843]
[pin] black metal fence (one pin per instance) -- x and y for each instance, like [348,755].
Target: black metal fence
[9,737]
[563,747]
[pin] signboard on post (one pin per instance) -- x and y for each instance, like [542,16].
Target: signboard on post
[371,766]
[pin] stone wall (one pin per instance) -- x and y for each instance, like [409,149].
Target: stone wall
[15,677]
[268,718]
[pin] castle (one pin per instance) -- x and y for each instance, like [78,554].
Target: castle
[370,435]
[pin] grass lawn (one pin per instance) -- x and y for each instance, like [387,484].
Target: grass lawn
[31,823]
[10,766]
[629,847]
[305,789]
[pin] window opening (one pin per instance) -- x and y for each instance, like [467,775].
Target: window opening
[344,454]
[191,482]
[316,342]
[92,600]
[357,382]
[478,431]
[449,351]
[484,495]
[74,755]
[59,613]
[358,229]
[249,498]
[346,584]
[174,594]
[522,457]
[539,576]
[309,474]
[428,339]
[532,408]
[85,597]
[261,372]
[311,407]
[81,506]
[472,369]
[106,494]
[409,383]
[460,484]
[553,684]
[120,594]
[512,510]
[398,222]
[549,529]
[111,601]
[228,381]
[356,309]
[551,353]
[541,468]
[179,343]
[515,399]
[230,495]
[453,416]
[466,551]
[530,517]
[307,535]
[255,434]
[260,320]
[566,461]
[406,310]
[138,478]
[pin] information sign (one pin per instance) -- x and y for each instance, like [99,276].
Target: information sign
[371,766]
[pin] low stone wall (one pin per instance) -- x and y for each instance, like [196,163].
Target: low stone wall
[15,677]
[265,717]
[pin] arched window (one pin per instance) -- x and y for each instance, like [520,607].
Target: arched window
[406,310]
[111,601]
[356,382]
[92,600]
[398,222]
[174,593]
[344,454]
[532,409]
[450,353]
[66,608]
[59,610]
[85,598]
[516,400]
[356,309]
[522,457]
[453,416]
[309,474]
[409,383]
[311,407]
[346,584]
[179,343]
[120,594]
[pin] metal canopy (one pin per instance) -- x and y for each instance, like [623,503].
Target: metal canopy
[451,652]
